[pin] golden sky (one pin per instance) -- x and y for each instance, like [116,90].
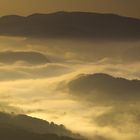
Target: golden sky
[26,7]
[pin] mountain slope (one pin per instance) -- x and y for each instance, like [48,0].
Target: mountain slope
[15,133]
[18,123]
[71,25]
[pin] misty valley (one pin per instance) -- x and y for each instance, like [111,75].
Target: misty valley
[69,76]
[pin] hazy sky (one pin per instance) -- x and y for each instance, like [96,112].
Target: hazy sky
[26,7]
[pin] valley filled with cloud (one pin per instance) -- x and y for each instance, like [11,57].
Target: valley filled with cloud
[92,87]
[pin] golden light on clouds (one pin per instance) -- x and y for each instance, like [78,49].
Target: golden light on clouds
[81,70]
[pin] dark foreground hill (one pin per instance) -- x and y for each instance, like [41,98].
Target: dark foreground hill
[14,133]
[22,127]
[71,25]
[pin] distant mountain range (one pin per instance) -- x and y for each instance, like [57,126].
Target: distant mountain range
[23,127]
[71,25]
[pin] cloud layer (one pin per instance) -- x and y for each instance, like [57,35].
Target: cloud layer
[100,84]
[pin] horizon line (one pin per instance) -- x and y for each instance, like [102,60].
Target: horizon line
[56,12]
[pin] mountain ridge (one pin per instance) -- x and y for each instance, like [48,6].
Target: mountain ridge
[34,125]
[71,25]
[66,12]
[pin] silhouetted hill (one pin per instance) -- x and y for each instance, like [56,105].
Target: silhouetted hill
[71,25]
[104,88]
[30,57]
[15,133]
[32,128]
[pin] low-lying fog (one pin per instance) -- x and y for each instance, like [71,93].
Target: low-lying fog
[38,77]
